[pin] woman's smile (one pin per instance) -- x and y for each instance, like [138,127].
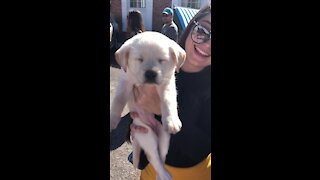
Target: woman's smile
[201,52]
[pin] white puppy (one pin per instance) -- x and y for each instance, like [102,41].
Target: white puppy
[149,59]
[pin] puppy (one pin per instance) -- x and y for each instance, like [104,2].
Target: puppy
[149,59]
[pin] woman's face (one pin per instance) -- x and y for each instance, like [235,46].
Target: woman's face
[198,55]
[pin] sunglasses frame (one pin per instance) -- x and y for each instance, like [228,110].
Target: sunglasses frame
[207,34]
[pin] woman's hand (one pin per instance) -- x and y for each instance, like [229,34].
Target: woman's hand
[140,129]
[148,98]
[135,128]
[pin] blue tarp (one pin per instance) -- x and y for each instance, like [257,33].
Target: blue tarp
[184,15]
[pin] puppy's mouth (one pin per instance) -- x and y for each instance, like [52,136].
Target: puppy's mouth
[149,81]
[150,77]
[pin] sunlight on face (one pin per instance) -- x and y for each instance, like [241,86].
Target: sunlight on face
[198,55]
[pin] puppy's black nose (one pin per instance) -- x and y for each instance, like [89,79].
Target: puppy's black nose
[150,76]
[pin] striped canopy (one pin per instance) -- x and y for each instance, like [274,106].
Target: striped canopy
[185,15]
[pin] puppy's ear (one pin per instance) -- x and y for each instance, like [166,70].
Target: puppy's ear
[178,55]
[122,55]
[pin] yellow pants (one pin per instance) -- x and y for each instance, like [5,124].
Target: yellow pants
[201,171]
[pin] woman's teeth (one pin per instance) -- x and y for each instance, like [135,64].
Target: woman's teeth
[201,52]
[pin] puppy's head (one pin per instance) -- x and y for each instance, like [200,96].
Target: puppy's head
[150,57]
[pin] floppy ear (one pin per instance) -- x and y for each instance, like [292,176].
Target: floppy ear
[122,55]
[178,54]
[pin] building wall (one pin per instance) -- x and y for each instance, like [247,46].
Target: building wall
[158,7]
[116,11]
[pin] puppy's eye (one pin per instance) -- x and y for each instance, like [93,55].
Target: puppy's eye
[161,61]
[140,59]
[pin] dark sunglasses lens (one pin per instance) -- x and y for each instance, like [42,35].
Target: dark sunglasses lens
[200,35]
[200,30]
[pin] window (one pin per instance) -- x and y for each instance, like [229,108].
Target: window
[137,3]
[195,4]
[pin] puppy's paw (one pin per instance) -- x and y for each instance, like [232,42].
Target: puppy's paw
[172,125]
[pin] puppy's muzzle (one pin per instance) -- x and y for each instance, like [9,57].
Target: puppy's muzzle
[150,76]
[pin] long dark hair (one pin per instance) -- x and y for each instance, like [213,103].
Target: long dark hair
[203,12]
[135,22]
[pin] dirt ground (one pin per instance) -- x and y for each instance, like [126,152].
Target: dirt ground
[120,167]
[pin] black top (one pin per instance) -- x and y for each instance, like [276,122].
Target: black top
[192,144]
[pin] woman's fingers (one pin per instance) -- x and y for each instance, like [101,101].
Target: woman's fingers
[147,98]
[137,129]
[134,128]
[134,115]
[137,94]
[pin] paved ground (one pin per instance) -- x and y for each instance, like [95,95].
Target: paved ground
[120,167]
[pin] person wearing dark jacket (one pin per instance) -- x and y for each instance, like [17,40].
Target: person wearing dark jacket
[170,29]
[115,42]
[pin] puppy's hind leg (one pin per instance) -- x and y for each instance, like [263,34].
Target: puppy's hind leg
[149,143]
[163,144]
[136,153]
[164,141]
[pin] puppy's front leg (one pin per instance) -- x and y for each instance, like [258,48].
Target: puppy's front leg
[119,101]
[169,107]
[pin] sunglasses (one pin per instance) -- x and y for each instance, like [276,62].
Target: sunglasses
[200,34]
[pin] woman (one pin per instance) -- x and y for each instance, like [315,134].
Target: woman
[189,155]
[135,23]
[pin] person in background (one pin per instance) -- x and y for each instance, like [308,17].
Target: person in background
[115,41]
[116,38]
[170,29]
[135,23]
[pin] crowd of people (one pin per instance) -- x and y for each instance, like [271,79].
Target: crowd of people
[189,155]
